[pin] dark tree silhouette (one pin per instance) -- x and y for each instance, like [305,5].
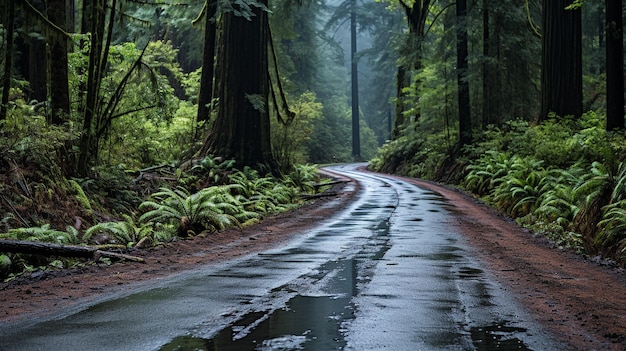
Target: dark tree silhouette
[8,59]
[465,117]
[561,68]
[614,66]
[57,41]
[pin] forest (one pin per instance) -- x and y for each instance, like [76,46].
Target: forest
[125,124]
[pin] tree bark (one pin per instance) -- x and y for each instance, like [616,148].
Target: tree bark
[59,88]
[614,66]
[205,95]
[242,128]
[561,68]
[465,117]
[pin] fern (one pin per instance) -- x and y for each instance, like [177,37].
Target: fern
[560,202]
[44,234]
[81,197]
[487,174]
[303,177]
[248,183]
[214,168]
[612,227]
[520,188]
[126,232]
[194,212]
[595,192]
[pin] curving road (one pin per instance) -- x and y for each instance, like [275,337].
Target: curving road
[390,272]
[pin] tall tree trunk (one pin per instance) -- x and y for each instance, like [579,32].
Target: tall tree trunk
[37,72]
[465,117]
[34,62]
[8,59]
[614,66]
[205,95]
[356,141]
[561,67]
[416,19]
[97,17]
[486,73]
[59,88]
[242,128]
[401,83]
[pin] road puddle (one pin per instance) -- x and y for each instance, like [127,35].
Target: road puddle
[306,323]
[497,336]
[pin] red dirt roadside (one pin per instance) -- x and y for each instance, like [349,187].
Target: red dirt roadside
[583,303]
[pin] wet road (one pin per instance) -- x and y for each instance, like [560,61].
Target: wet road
[390,272]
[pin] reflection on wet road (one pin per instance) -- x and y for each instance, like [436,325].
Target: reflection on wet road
[389,272]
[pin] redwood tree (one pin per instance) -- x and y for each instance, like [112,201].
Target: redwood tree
[614,66]
[242,127]
[57,41]
[561,66]
[465,118]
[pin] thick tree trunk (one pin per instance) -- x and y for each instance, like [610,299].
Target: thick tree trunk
[59,88]
[561,68]
[242,128]
[614,66]
[465,117]
[205,94]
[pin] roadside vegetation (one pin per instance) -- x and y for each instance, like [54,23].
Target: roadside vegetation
[564,178]
[154,208]
[147,188]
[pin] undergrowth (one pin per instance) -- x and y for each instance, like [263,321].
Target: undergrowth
[564,178]
[122,209]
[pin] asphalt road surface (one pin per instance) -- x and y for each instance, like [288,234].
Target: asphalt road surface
[389,272]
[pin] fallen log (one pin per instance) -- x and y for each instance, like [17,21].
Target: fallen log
[48,249]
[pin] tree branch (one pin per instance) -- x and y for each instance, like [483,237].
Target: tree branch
[32,9]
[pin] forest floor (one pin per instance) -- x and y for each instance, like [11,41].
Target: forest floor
[581,301]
